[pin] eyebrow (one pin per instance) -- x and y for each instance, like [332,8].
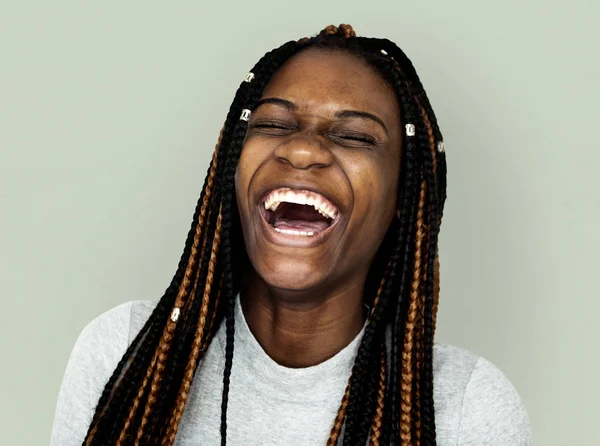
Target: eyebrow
[342,114]
[288,105]
[349,114]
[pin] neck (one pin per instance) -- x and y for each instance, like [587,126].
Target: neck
[296,330]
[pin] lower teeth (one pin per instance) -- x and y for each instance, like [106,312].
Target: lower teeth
[292,232]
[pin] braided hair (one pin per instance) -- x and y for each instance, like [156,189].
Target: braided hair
[389,396]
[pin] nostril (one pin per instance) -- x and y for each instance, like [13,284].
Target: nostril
[303,154]
[284,160]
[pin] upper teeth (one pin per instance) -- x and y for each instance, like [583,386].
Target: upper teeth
[319,202]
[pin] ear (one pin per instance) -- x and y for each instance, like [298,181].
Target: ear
[397,212]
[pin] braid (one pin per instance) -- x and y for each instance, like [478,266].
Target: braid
[191,333]
[124,377]
[265,68]
[419,91]
[197,343]
[407,218]
[167,403]
[366,362]
[363,391]
[139,358]
[418,354]
[431,288]
[408,111]
[375,312]
[386,401]
[155,372]
[407,375]
[378,420]
[424,138]
[336,430]
[230,300]
[436,290]
[151,372]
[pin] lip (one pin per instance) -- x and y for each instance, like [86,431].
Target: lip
[295,241]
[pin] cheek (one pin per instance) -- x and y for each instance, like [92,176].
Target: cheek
[374,182]
[251,159]
[247,165]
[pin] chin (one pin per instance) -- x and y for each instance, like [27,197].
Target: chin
[292,276]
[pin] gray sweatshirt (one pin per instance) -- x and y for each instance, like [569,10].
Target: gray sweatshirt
[475,404]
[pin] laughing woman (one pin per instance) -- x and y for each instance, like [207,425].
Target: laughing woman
[304,306]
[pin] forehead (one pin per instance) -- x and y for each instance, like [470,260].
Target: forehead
[324,80]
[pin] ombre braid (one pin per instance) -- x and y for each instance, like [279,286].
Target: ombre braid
[389,397]
[376,426]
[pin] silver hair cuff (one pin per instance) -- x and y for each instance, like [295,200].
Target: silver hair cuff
[245,114]
[410,130]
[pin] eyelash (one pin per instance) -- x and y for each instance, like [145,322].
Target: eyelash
[358,137]
[269,126]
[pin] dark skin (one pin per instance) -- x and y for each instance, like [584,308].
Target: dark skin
[303,296]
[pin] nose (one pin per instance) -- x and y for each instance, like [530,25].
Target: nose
[304,152]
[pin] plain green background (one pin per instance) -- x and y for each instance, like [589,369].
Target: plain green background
[109,112]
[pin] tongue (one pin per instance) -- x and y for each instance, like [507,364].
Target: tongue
[300,225]
[297,217]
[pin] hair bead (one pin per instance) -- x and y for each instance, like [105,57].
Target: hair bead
[249,77]
[410,130]
[440,147]
[175,314]
[245,114]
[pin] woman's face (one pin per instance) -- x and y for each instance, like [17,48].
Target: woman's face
[325,136]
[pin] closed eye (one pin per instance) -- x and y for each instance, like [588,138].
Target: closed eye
[357,137]
[273,128]
[268,126]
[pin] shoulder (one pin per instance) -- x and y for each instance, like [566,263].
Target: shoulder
[114,329]
[104,340]
[476,402]
[111,331]
[97,351]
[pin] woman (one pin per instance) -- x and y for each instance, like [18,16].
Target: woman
[303,309]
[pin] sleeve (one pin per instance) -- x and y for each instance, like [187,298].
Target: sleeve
[95,355]
[492,412]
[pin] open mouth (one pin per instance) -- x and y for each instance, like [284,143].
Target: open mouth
[298,212]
